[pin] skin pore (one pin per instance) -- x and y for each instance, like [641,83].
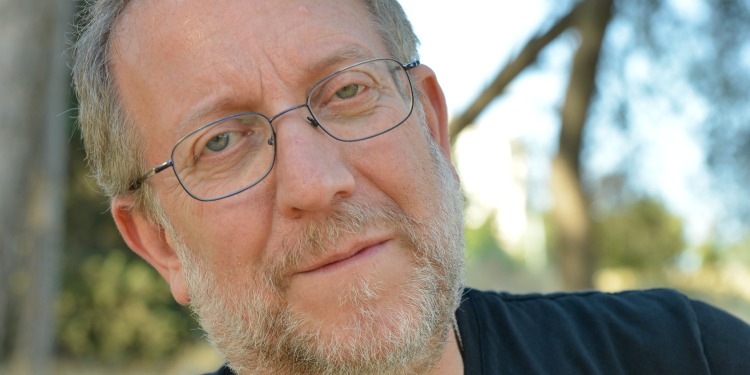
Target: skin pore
[346,258]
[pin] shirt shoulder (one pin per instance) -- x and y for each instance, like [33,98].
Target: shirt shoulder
[656,331]
[224,370]
[723,335]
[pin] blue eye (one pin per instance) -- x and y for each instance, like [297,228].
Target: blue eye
[219,142]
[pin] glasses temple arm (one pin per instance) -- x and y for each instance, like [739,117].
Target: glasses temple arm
[139,181]
[411,65]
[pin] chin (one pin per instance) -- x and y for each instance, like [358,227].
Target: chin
[375,331]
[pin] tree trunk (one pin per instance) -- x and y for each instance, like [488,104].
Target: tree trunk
[571,207]
[33,155]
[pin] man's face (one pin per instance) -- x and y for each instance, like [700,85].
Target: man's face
[346,253]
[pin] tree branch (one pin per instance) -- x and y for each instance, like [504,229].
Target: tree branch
[524,59]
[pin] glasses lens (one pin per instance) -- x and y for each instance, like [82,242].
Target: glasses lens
[225,157]
[362,101]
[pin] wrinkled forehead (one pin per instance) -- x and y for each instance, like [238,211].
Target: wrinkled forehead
[270,26]
[176,60]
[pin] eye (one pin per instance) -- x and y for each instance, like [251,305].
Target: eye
[220,142]
[343,87]
[349,91]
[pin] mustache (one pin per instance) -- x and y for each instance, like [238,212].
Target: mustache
[318,236]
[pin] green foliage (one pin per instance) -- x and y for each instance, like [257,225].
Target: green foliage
[718,252]
[481,241]
[119,308]
[482,244]
[642,235]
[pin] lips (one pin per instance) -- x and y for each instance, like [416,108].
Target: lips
[336,259]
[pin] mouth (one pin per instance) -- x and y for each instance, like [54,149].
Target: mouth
[339,260]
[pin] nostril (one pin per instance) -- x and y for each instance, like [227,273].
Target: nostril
[313,122]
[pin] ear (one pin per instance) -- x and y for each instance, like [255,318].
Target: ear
[433,101]
[148,239]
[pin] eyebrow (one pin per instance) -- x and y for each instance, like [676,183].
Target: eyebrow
[348,54]
[337,59]
[187,125]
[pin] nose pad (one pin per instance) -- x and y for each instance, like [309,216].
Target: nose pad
[313,122]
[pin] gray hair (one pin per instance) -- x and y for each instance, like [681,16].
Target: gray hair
[111,140]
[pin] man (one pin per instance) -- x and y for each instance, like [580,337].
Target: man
[285,166]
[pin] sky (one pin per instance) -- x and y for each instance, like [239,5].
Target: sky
[467,44]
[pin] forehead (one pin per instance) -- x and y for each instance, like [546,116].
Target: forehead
[176,58]
[267,20]
[156,33]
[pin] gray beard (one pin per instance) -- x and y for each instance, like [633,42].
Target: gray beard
[257,331]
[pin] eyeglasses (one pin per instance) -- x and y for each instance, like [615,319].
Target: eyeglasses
[234,153]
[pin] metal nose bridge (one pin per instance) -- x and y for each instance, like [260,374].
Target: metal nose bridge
[311,120]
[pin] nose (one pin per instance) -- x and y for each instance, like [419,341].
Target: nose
[311,171]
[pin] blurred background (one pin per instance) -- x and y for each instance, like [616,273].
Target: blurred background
[602,144]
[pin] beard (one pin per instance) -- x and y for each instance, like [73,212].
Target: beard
[258,331]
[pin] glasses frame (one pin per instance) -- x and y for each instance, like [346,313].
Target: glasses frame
[138,182]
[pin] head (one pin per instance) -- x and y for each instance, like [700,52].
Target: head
[347,255]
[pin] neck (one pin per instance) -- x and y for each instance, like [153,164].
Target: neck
[451,362]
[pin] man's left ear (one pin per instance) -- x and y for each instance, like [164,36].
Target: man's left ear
[435,110]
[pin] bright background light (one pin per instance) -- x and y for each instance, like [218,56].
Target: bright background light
[466,45]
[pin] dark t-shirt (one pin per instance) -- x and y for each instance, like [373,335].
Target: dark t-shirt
[638,332]
[646,332]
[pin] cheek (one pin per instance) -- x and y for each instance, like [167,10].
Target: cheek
[399,164]
[230,235]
